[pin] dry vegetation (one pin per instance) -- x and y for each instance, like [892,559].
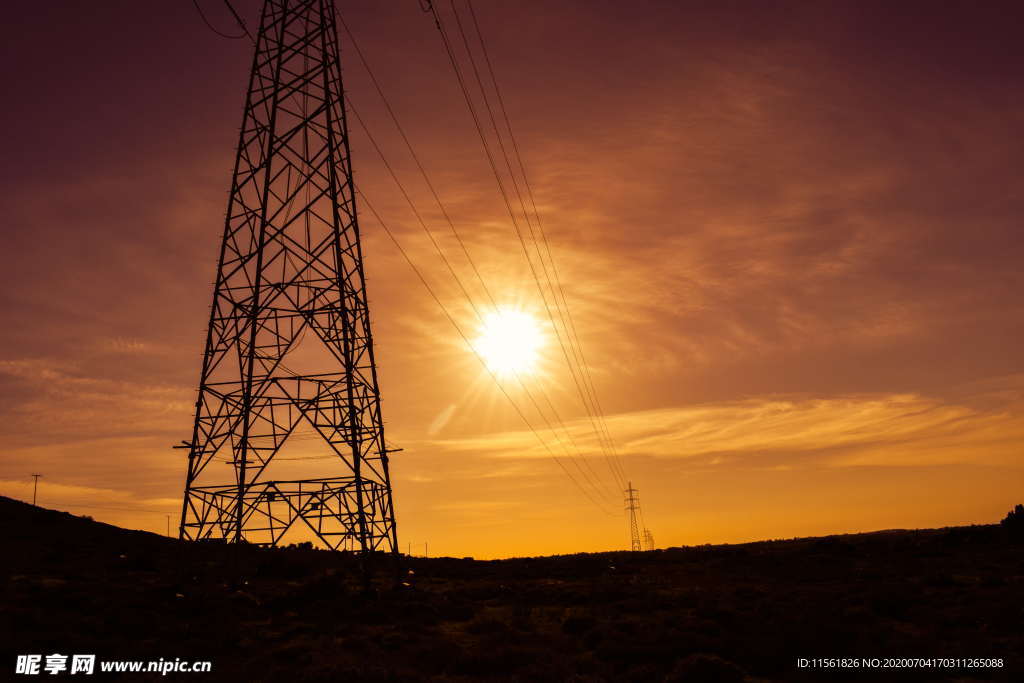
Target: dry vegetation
[712,613]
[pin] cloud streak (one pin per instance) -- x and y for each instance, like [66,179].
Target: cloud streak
[880,430]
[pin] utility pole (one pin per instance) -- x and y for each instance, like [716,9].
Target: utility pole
[35,487]
[633,509]
[291,271]
[168,526]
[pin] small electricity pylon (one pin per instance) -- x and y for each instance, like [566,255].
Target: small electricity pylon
[633,509]
[648,540]
[291,270]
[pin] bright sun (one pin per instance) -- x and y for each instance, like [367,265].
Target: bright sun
[510,342]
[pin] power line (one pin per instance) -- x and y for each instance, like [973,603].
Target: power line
[540,254]
[526,216]
[412,206]
[210,26]
[576,380]
[465,338]
[462,287]
[571,330]
[458,328]
[239,20]
[412,153]
[440,251]
[575,342]
[540,226]
[616,471]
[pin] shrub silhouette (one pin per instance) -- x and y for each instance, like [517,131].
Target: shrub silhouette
[1014,521]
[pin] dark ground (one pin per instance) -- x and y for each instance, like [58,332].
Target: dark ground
[709,613]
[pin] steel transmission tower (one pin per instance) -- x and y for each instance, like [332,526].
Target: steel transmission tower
[648,540]
[633,509]
[290,286]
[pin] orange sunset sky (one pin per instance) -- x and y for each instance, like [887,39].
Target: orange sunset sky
[789,234]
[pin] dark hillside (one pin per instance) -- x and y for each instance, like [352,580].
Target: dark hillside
[709,613]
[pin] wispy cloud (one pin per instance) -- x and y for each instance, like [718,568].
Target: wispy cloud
[80,403]
[885,430]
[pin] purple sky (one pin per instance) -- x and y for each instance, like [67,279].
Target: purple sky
[789,232]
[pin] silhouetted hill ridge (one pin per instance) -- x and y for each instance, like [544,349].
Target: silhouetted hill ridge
[20,517]
[699,613]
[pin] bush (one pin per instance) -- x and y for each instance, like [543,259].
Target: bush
[1014,521]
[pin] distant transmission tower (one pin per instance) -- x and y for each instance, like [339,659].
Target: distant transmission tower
[633,509]
[648,540]
[290,284]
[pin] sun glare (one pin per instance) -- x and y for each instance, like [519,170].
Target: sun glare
[510,342]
